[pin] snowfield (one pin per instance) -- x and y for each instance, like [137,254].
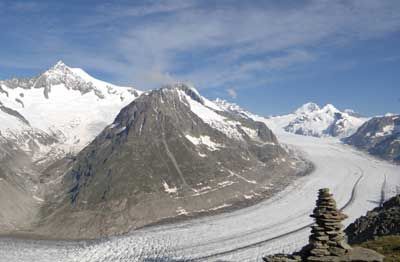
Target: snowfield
[280,224]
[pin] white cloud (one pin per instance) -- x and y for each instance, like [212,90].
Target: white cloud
[219,45]
[232,93]
[159,78]
[250,32]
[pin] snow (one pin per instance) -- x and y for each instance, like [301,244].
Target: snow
[307,108]
[242,178]
[202,155]
[181,211]
[204,140]
[252,133]
[96,82]
[213,119]
[75,117]
[38,199]
[246,234]
[386,130]
[225,183]
[311,120]
[248,196]
[168,189]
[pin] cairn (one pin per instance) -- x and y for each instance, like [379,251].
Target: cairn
[327,236]
[327,241]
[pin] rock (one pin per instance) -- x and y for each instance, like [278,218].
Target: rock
[381,221]
[337,251]
[362,254]
[327,236]
[282,258]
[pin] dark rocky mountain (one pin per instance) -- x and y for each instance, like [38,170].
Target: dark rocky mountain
[381,221]
[379,136]
[170,153]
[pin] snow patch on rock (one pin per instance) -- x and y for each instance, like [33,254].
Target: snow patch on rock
[206,141]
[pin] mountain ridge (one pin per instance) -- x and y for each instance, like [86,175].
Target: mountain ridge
[380,136]
[56,103]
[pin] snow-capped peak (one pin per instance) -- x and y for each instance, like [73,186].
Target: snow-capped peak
[190,91]
[330,109]
[60,68]
[307,108]
[233,108]
[312,120]
[60,64]
[64,102]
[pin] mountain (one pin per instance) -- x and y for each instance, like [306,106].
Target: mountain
[59,111]
[170,153]
[381,221]
[311,120]
[42,120]
[379,136]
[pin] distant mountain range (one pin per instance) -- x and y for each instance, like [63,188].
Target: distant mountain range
[311,120]
[379,136]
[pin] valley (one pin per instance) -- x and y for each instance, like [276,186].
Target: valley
[168,175]
[275,225]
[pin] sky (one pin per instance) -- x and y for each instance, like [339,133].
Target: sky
[270,57]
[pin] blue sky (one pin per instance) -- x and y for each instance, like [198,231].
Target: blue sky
[267,56]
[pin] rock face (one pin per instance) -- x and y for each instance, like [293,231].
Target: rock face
[327,240]
[380,136]
[381,221]
[170,153]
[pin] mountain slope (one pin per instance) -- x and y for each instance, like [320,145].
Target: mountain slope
[381,221]
[311,120]
[169,153]
[43,119]
[380,136]
[63,106]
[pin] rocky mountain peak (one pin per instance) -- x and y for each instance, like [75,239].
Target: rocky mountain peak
[188,89]
[174,148]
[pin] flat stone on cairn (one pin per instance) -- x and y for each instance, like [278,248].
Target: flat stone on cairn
[327,237]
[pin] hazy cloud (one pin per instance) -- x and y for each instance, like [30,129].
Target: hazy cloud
[232,93]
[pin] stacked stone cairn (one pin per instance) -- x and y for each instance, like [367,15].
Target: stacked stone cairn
[327,237]
[327,240]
